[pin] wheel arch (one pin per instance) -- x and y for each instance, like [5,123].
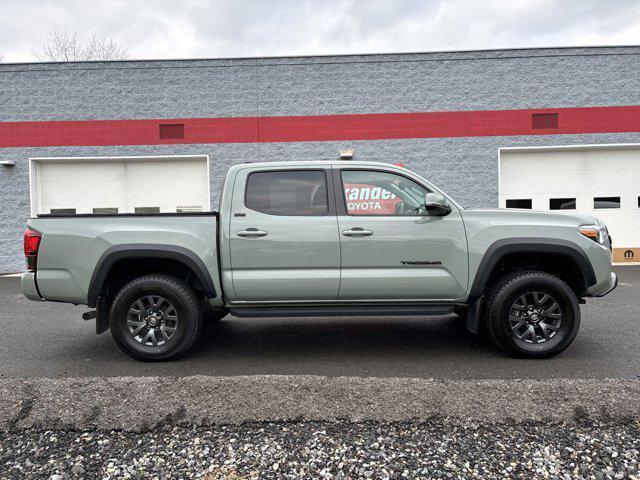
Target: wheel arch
[501,249]
[117,254]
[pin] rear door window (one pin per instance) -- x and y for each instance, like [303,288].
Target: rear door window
[288,192]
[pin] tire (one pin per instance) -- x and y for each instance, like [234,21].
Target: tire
[532,314]
[176,320]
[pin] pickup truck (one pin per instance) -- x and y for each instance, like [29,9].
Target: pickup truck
[323,238]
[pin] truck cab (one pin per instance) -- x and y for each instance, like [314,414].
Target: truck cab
[344,232]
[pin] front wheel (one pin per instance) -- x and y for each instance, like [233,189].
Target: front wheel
[155,317]
[532,314]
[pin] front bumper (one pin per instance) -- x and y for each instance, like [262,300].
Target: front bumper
[29,288]
[612,285]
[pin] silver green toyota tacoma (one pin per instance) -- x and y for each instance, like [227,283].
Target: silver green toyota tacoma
[318,239]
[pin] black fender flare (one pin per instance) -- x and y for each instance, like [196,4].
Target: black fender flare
[500,248]
[130,251]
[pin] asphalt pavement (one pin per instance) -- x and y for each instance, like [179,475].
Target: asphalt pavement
[46,339]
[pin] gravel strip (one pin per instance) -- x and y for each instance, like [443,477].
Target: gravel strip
[330,450]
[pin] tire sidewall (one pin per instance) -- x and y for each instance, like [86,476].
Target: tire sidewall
[555,287]
[179,298]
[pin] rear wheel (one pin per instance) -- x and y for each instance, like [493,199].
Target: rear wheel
[155,317]
[532,314]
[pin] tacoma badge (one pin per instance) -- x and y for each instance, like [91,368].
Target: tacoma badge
[420,262]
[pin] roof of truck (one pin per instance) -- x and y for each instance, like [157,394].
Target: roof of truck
[317,163]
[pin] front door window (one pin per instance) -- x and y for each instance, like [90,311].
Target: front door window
[382,193]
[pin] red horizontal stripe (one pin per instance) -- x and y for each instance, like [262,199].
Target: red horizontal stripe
[376,126]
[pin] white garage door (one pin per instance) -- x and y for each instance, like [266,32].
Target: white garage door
[121,185]
[601,181]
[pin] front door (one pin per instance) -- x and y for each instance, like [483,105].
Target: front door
[391,249]
[284,236]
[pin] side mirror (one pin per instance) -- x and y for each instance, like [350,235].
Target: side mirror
[436,205]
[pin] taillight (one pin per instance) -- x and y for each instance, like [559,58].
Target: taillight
[31,245]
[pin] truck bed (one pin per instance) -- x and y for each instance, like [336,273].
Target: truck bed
[74,248]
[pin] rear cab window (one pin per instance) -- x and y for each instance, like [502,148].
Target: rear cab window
[288,192]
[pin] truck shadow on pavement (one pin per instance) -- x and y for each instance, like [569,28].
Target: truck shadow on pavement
[325,336]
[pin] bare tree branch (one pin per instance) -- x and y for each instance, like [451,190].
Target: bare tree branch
[65,46]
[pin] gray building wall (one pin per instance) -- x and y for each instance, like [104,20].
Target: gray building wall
[451,81]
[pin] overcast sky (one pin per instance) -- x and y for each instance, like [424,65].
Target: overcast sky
[233,28]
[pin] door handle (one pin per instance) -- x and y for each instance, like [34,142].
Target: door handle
[357,232]
[251,232]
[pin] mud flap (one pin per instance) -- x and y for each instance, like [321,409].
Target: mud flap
[102,316]
[473,315]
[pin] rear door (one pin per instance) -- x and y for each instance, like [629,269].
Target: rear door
[284,236]
[391,250]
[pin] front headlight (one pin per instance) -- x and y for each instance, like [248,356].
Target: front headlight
[594,232]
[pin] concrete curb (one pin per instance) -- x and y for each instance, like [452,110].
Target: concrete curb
[137,404]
